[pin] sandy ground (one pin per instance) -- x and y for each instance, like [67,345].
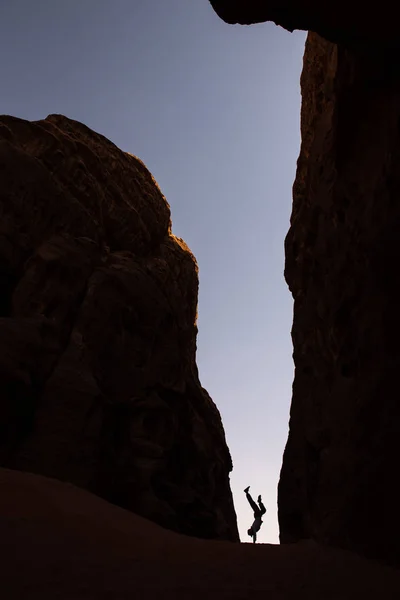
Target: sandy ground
[59,542]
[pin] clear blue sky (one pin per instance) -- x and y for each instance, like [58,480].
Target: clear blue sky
[213,111]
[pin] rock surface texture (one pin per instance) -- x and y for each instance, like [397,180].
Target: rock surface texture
[98,380]
[72,544]
[339,482]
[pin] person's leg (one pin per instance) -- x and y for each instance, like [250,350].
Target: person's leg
[252,503]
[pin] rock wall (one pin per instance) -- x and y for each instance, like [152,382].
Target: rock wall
[98,380]
[338,481]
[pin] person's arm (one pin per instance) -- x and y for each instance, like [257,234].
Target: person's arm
[261,505]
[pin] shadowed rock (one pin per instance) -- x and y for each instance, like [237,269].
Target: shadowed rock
[352,22]
[98,379]
[338,481]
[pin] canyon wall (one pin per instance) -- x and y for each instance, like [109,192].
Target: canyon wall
[338,483]
[98,380]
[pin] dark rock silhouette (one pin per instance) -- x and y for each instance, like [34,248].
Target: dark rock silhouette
[71,544]
[98,380]
[338,482]
[348,22]
[341,256]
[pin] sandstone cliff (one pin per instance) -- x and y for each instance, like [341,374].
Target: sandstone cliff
[338,482]
[98,381]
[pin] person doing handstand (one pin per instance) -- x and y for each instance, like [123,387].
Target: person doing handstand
[258,512]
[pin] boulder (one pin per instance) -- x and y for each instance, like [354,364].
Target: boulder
[98,379]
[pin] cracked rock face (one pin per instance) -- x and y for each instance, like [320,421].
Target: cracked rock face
[98,380]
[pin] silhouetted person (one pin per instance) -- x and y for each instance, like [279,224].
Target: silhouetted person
[259,511]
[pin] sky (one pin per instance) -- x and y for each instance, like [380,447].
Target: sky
[213,110]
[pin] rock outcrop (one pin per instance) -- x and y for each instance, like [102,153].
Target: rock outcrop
[98,380]
[338,482]
[61,542]
[351,22]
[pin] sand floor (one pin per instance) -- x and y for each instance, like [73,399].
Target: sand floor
[59,542]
